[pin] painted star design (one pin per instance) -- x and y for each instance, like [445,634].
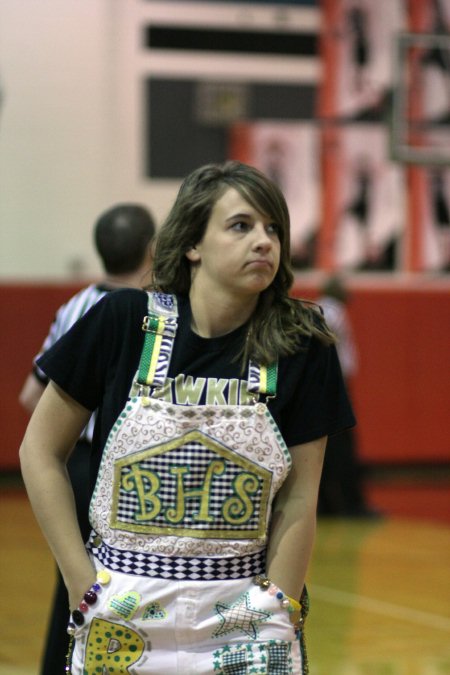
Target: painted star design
[239,615]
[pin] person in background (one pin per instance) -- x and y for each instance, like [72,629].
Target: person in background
[123,237]
[215,394]
[341,489]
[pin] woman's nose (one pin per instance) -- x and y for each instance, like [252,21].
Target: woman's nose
[262,238]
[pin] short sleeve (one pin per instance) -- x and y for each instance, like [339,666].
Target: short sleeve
[78,361]
[318,403]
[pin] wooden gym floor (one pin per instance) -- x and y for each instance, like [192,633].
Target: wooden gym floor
[380,594]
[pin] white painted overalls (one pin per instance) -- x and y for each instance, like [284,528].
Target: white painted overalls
[180,515]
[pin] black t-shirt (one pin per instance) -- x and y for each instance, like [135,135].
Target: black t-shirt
[96,360]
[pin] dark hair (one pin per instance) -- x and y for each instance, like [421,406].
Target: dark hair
[122,235]
[278,321]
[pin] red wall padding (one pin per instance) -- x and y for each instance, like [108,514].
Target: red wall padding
[26,312]
[401,394]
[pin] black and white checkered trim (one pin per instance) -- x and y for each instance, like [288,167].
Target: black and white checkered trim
[177,567]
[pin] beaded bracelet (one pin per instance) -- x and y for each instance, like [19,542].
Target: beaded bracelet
[89,599]
[285,601]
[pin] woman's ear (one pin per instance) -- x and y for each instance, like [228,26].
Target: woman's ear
[193,254]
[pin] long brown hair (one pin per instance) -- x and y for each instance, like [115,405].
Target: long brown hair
[276,326]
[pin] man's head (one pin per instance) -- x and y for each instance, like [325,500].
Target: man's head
[122,237]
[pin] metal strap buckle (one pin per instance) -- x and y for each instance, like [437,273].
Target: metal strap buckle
[147,325]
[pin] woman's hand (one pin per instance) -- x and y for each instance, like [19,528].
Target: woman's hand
[77,588]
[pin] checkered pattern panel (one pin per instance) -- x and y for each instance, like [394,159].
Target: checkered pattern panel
[279,659]
[272,657]
[178,568]
[163,301]
[235,663]
[185,476]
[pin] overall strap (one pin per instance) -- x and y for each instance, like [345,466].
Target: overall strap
[160,327]
[263,379]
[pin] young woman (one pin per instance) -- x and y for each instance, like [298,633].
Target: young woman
[215,395]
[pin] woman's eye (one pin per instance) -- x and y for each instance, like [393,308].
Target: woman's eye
[240,226]
[243,226]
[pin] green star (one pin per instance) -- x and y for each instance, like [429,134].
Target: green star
[239,615]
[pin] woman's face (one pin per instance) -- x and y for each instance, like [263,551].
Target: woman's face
[240,250]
